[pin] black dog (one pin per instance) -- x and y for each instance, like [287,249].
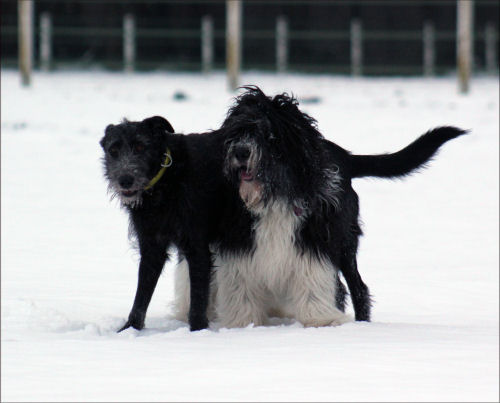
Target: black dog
[304,214]
[174,190]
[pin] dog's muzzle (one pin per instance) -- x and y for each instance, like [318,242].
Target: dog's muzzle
[126,183]
[241,153]
[239,157]
[241,162]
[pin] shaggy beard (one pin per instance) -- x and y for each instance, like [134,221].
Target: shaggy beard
[133,202]
[251,193]
[250,189]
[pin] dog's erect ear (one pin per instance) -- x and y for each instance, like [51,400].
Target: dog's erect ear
[108,128]
[158,124]
[106,132]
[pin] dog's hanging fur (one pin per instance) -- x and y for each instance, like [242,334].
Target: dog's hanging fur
[303,229]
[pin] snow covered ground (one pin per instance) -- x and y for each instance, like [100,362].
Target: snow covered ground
[429,254]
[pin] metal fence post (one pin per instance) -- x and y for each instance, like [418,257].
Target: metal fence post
[490,47]
[207,43]
[356,47]
[464,43]
[233,41]
[281,44]
[429,42]
[45,41]
[128,42]
[25,12]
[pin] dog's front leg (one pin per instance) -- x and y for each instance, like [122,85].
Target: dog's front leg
[153,257]
[200,265]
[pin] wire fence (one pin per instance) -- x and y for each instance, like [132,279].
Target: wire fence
[138,43]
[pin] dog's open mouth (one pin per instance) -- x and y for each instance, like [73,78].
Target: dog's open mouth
[246,175]
[129,193]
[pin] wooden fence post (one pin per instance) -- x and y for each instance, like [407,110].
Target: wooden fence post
[464,43]
[281,44]
[490,47]
[45,41]
[207,43]
[128,43]
[429,45]
[233,41]
[356,47]
[25,10]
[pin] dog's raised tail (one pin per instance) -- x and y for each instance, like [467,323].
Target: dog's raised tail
[408,159]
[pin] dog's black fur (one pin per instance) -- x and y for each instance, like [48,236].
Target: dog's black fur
[182,209]
[193,206]
[274,151]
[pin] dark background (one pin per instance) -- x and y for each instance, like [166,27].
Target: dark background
[311,23]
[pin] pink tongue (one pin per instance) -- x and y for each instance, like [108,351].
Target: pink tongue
[246,176]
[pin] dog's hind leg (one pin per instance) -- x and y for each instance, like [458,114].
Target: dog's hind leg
[340,296]
[182,298]
[153,257]
[200,266]
[360,294]
[180,306]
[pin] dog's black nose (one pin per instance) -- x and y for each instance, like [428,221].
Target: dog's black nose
[126,181]
[241,153]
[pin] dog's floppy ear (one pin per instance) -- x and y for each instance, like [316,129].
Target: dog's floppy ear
[158,124]
[106,132]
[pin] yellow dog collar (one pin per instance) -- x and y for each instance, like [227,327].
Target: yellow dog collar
[168,161]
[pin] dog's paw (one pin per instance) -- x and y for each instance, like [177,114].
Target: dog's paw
[334,320]
[341,320]
[128,324]
[135,320]
[198,323]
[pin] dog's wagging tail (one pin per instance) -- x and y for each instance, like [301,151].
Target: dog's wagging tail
[407,160]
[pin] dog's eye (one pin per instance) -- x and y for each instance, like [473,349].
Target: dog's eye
[138,147]
[113,151]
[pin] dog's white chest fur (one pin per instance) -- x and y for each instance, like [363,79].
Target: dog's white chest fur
[275,279]
[275,257]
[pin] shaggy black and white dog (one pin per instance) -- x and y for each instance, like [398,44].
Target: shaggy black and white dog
[303,228]
[173,188]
